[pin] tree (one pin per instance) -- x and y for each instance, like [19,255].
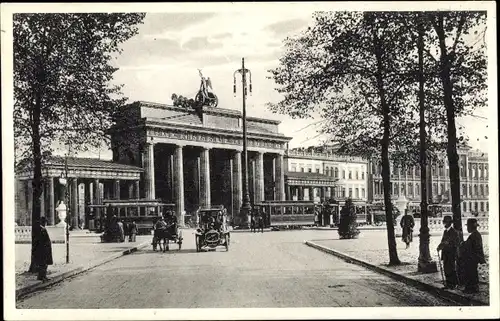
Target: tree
[462,72]
[350,68]
[62,92]
[348,227]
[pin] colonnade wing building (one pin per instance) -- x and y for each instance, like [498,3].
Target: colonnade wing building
[194,159]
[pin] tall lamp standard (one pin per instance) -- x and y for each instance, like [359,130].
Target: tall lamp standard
[246,208]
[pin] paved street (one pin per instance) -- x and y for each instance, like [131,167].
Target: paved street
[273,269]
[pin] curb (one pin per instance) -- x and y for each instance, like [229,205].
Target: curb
[58,277]
[398,277]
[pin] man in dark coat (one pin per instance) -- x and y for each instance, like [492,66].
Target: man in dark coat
[471,254]
[43,251]
[449,249]
[260,222]
[407,224]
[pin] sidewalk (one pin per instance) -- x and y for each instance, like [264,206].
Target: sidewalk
[86,251]
[370,250]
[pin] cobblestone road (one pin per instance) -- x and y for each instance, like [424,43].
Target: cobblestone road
[273,269]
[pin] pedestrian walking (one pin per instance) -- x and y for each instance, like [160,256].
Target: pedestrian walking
[43,251]
[449,249]
[121,231]
[260,221]
[132,232]
[471,254]
[252,223]
[407,224]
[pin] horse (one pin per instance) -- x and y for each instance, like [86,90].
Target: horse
[163,236]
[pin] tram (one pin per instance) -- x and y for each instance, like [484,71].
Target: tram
[143,212]
[287,214]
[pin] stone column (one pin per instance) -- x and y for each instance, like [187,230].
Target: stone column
[116,189]
[74,203]
[149,171]
[280,178]
[237,183]
[86,187]
[179,184]
[323,194]
[300,194]
[259,178]
[205,196]
[137,195]
[311,193]
[52,208]
[288,195]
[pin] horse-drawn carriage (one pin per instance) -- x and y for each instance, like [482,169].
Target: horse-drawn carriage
[166,230]
[212,229]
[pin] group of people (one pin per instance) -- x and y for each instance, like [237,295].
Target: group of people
[115,231]
[460,259]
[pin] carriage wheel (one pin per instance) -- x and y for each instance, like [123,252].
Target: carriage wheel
[214,101]
[199,98]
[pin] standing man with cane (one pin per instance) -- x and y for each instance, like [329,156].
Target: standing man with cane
[449,250]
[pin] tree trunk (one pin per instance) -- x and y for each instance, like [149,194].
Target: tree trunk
[451,148]
[37,181]
[391,237]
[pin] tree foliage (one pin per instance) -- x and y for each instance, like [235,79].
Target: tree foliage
[62,90]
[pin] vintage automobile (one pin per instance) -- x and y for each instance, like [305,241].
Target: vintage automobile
[212,229]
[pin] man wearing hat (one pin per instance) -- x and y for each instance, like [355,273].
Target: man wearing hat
[449,248]
[471,254]
[43,251]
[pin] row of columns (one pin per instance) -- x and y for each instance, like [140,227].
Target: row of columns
[205,188]
[49,200]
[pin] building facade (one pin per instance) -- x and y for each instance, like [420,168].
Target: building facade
[194,159]
[343,176]
[176,155]
[473,179]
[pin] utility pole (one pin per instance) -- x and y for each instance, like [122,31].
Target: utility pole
[246,208]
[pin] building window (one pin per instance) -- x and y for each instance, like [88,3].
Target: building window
[403,189]
[475,190]
[343,173]
[350,174]
[486,171]
[294,167]
[487,207]
[357,192]
[464,190]
[336,172]
[357,175]
[441,170]
[417,189]
[475,206]
[350,192]
[465,207]
[481,190]
[410,189]
[362,175]
[363,193]
[302,169]
[343,192]
[317,170]
[487,190]
[310,170]
[482,206]
[470,189]
[480,171]
[442,189]
[435,189]
[396,189]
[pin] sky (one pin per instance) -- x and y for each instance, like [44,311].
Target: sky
[164,58]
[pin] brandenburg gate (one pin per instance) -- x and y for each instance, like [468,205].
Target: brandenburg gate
[194,158]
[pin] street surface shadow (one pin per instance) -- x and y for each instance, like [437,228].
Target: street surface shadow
[174,251]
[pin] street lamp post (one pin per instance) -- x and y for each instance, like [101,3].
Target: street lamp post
[64,210]
[246,208]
